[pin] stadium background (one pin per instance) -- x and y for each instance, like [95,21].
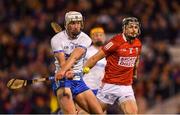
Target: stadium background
[25,34]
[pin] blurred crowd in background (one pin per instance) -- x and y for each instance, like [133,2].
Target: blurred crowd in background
[25,51]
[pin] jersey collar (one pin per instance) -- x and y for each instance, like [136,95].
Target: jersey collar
[66,33]
[124,37]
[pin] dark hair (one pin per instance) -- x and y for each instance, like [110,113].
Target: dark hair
[129,19]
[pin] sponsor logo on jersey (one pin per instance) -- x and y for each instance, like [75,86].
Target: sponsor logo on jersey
[127,61]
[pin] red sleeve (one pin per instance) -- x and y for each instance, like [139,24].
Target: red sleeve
[110,46]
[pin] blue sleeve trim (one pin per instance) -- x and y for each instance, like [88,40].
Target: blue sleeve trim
[58,51]
[82,47]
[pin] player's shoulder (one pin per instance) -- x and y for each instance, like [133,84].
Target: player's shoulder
[84,37]
[58,36]
[138,41]
[118,38]
[83,34]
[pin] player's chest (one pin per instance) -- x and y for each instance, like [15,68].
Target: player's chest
[128,50]
[68,47]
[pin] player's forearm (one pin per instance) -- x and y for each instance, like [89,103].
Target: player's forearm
[69,63]
[61,58]
[135,73]
[135,68]
[91,62]
[75,55]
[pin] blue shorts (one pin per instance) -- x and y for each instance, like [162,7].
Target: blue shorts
[77,86]
[95,91]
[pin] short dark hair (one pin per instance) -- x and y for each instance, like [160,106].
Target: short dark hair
[129,19]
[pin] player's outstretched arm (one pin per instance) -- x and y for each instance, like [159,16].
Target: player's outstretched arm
[75,55]
[91,62]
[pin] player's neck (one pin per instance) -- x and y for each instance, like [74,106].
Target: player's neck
[129,40]
[71,36]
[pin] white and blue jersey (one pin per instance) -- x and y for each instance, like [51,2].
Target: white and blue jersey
[61,43]
[94,77]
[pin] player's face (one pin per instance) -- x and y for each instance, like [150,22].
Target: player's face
[98,38]
[74,28]
[132,29]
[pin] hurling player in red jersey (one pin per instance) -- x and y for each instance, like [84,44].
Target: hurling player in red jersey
[122,54]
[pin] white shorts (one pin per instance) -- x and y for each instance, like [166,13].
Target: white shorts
[109,93]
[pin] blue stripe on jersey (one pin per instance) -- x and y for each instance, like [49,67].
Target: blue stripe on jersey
[82,47]
[58,51]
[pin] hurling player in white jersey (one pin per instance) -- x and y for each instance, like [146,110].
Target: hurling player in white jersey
[94,77]
[69,47]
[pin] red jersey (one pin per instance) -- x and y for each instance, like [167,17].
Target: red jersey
[121,57]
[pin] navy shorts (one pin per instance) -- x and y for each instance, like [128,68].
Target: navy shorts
[95,91]
[76,85]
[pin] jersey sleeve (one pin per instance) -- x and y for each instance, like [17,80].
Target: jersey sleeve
[85,41]
[110,46]
[56,45]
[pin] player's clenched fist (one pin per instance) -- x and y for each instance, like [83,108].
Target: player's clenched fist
[59,75]
[69,74]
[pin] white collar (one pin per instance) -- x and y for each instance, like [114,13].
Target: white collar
[124,37]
